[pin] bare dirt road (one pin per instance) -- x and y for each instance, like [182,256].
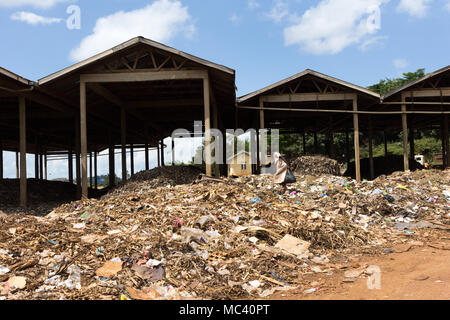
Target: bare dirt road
[421,273]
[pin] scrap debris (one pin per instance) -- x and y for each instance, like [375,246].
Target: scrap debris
[316,165]
[169,234]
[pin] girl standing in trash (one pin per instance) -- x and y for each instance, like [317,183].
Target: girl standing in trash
[281,170]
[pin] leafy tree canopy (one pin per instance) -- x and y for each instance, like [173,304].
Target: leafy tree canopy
[387,85]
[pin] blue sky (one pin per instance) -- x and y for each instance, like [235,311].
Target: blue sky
[360,41]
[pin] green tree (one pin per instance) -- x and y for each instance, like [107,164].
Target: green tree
[387,85]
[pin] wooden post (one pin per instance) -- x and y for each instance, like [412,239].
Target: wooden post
[45,165]
[36,158]
[347,146]
[17,165]
[95,170]
[70,161]
[23,151]
[163,164]
[412,150]
[159,155]
[372,168]
[77,156]
[36,165]
[385,144]
[405,134]
[258,158]
[207,114]
[236,119]
[123,131]
[83,141]
[262,143]
[224,170]
[173,151]
[147,158]
[41,165]
[356,138]
[447,143]
[132,159]
[112,162]
[91,175]
[1,160]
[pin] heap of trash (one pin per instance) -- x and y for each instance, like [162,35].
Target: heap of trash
[316,165]
[43,195]
[211,238]
[158,177]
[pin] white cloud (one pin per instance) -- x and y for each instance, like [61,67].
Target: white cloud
[236,19]
[44,4]
[252,4]
[415,8]
[160,21]
[278,11]
[333,25]
[371,42]
[33,19]
[400,63]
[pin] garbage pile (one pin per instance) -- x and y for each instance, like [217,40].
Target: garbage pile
[158,177]
[214,239]
[43,196]
[316,165]
[382,165]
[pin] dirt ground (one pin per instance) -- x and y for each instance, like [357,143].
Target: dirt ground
[422,273]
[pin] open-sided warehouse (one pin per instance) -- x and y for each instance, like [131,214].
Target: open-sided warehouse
[137,93]
[133,95]
[424,104]
[311,102]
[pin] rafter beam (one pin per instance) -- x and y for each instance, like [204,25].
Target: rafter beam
[427,93]
[144,76]
[305,97]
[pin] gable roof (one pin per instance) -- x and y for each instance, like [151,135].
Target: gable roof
[302,74]
[128,44]
[415,82]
